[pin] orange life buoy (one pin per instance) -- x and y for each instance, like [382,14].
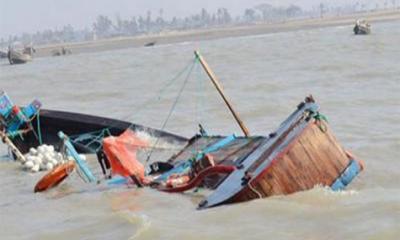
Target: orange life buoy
[55,176]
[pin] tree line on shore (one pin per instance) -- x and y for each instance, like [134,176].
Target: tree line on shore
[105,27]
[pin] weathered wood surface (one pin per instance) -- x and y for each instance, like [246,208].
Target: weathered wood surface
[229,154]
[315,157]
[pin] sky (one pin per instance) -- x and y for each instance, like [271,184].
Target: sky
[18,16]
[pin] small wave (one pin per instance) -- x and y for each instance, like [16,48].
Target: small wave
[5,157]
[142,222]
[327,191]
[157,143]
[185,43]
[321,195]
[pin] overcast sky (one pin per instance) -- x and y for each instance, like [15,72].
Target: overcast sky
[18,16]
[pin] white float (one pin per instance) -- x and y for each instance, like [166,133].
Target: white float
[42,158]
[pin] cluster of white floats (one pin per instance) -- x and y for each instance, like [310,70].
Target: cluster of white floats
[44,158]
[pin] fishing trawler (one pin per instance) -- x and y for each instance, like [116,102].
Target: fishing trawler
[300,154]
[362,27]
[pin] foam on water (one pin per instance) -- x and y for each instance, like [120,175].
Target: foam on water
[158,143]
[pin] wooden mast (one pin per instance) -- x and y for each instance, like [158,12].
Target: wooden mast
[217,85]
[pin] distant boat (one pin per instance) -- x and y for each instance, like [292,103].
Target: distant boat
[362,27]
[60,52]
[18,56]
[150,44]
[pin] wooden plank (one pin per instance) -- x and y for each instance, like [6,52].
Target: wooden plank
[313,159]
[14,149]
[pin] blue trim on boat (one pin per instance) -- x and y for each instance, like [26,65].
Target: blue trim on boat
[186,165]
[219,144]
[14,121]
[352,170]
[5,104]
[81,164]
[117,180]
[232,184]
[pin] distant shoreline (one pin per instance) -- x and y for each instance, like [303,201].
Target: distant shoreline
[217,33]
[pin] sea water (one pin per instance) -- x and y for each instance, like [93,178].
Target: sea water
[355,79]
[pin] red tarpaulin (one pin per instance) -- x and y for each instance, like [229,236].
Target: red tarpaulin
[121,153]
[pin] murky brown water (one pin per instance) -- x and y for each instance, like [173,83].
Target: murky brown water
[356,80]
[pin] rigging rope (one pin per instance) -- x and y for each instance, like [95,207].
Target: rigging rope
[172,108]
[39,128]
[142,106]
[158,96]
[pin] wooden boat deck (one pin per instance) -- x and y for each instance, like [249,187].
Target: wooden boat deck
[229,154]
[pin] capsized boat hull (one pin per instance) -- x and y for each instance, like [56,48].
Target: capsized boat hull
[52,121]
[15,57]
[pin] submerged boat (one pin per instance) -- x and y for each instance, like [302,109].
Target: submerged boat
[362,27]
[299,155]
[32,126]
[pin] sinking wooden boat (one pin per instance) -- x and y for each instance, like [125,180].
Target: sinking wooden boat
[16,57]
[32,126]
[362,27]
[301,154]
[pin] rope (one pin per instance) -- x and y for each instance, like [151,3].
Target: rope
[253,189]
[172,108]
[142,106]
[39,128]
[157,97]
[319,116]
[319,120]
[79,137]
[96,135]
